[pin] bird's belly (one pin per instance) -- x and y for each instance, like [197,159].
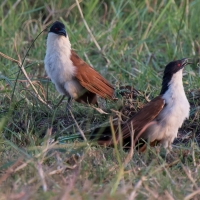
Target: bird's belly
[62,71]
[164,132]
[176,114]
[74,88]
[58,71]
[71,88]
[167,124]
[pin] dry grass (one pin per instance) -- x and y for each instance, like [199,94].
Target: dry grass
[128,42]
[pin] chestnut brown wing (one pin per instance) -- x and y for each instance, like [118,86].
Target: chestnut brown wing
[91,79]
[139,121]
[145,116]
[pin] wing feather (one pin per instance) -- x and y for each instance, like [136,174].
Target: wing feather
[91,79]
[145,116]
[140,121]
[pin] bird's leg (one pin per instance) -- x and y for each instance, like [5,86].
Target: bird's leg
[59,101]
[69,102]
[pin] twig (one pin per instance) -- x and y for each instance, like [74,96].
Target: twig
[21,66]
[36,156]
[193,154]
[70,186]
[119,114]
[9,58]
[99,110]
[35,61]
[138,185]
[145,36]
[142,131]
[190,176]
[88,60]
[41,173]
[168,195]
[190,196]
[10,170]
[81,132]
[147,98]
[151,192]
[90,32]
[25,74]
[130,154]
[164,166]
[70,8]
[38,96]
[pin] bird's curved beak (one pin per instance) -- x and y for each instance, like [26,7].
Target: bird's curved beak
[62,31]
[186,61]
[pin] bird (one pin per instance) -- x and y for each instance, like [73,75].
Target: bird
[72,76]
[159,120]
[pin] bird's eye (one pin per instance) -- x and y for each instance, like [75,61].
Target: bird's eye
[178,64]
[56,29]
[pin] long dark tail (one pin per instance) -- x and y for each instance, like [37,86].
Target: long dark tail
[102,135]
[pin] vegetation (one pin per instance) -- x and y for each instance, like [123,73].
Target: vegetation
[41,154]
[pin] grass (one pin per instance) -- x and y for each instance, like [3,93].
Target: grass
[41,156]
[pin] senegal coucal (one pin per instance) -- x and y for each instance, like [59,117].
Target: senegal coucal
[159,120]
[72,76]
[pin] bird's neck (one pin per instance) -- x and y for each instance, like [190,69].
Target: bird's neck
[172,80]
[58,63]
[58,44]
[173,89]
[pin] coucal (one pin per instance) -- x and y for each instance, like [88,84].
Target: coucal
[72,76]
[159,120]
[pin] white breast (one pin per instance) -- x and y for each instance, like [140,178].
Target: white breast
[174,113]
[177,105]
[59,66]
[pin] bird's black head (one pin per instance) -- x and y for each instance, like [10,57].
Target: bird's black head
[172,68]
[58,28]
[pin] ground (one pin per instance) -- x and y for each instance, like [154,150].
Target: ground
[42,154]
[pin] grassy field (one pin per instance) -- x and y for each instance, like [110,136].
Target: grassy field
[41,156]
